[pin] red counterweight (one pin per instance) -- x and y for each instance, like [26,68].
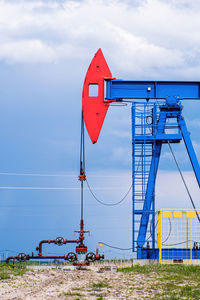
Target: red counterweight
[94,107]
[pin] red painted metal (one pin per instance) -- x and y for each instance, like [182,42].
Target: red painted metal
[71,256]
[94,107]
[82,176]
[98,256]
[81,264]
[81,248]
[39,248]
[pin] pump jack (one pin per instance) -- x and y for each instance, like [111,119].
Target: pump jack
[154,103]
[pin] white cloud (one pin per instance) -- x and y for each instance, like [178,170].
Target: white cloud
[26,51]
[151,37]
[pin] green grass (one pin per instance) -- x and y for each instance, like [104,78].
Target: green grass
[100,297]
[186,270]
[8,270]
[69,294]
[179,292]
[96,289]
[174,281]
[77,289]
[100,285]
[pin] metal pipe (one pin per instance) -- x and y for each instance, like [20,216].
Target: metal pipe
[28,257]
[65,241]
[65,257]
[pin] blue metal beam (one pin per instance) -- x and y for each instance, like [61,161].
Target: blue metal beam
[172,138]
[190,149]
[172,91]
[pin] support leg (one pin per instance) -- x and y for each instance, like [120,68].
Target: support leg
[190,148]
[149,198]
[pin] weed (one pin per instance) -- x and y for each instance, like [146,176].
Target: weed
[100,297]
[77,289]
[8,270]
[69,294]
[100,285]
[4,276]
[172,281]
[183,270]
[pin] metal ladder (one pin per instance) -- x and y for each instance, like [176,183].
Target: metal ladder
[144,124]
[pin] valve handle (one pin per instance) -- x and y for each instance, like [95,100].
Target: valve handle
[59,240]
[71,256]
[22,256]
[91,257]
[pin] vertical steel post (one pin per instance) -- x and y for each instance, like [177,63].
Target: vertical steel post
[187,232]
[133,177]
[151,183]
[190,148]
[190,240]
[154,121]
[159,243]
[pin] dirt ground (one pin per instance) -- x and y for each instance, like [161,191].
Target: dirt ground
[91,283]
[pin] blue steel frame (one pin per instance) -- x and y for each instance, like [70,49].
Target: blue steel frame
[169,94]
[171,91]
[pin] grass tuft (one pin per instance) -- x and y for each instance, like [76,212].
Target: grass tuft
[100,285]
[69,294]
[186,270]
[8,270]
[174,281]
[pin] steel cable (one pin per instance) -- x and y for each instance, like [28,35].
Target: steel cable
[115,247]
[108,204]
[168,245]
[170,147]
[120,201]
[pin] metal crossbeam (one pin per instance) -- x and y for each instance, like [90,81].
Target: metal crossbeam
[171,91]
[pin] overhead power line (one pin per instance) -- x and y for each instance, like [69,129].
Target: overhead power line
[52,188]
[36,174]
[55,175]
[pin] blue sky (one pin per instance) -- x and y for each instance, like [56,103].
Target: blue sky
[45,50]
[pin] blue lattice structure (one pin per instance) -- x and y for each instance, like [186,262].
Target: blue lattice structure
[155,122]
[157,119]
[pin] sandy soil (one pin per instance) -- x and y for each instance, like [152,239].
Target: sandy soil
[91,283]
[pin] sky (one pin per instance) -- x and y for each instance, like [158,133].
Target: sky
[45,50]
